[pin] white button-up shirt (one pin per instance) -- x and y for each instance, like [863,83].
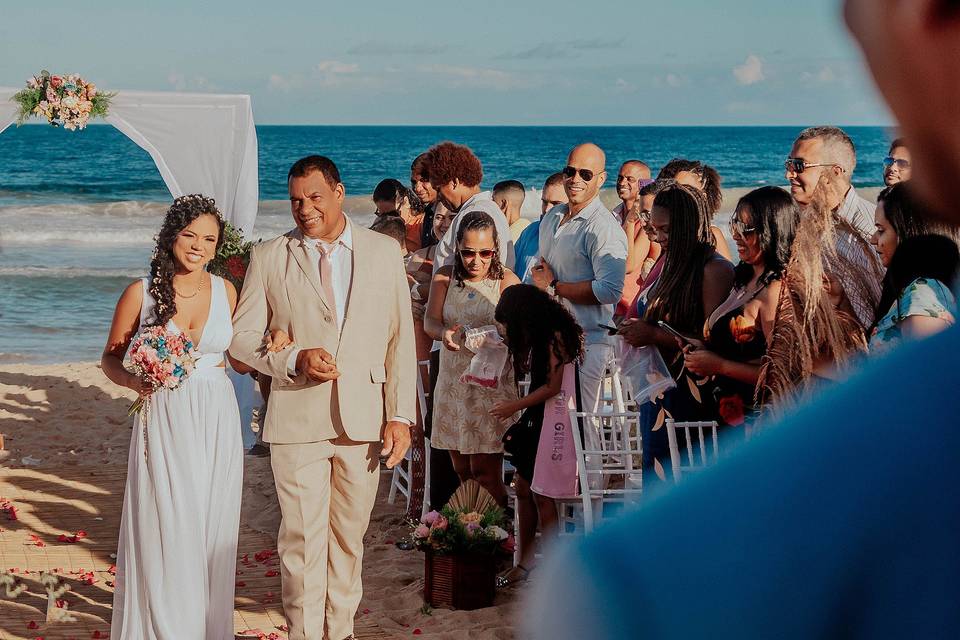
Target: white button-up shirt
[341,259]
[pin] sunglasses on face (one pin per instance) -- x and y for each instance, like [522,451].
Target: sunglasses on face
[900,164]
[570,172]
[484,254]
[799,165]
[740,228]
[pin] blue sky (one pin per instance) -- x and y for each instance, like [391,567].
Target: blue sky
[616,62]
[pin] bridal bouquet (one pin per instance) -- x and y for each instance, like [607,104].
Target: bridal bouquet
[67,101]
[161,357]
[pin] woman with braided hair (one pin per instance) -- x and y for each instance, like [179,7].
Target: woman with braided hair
[177,552]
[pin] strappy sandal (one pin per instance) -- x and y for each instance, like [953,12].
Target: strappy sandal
[503,581]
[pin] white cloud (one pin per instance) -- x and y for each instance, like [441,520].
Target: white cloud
[335,66]
[623,86]
[750,72]
[180,82]
[826,75]
[475,77]
[279,82]
[674,80]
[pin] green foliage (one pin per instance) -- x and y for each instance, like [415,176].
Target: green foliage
[233,257]
[455,531]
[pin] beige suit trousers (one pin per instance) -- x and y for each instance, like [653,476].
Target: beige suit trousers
[327,490]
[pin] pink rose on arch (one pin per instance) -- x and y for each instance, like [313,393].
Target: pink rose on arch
[421,532]
[440,524]
[430,517]
[56,82]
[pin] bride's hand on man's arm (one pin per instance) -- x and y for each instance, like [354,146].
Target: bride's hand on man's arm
[276,341]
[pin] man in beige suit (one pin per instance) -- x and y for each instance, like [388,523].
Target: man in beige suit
[347,381]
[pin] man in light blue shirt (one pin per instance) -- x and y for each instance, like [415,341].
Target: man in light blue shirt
[527,247]
[583,261]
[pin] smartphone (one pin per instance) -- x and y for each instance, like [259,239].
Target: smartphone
[611,330]
[663,325]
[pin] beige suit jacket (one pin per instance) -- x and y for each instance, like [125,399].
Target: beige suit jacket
[375,351]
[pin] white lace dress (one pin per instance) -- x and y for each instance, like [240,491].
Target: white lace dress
[176,560]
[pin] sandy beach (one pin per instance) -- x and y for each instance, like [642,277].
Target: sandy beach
[66,419]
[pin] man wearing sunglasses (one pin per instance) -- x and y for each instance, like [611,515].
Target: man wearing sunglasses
[583,261]
[822,161]
[896,166]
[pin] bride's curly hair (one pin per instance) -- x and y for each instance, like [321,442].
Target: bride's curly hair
[163,265]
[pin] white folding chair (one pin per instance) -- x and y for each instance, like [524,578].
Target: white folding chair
[610,469]
[401,479]
[700,448]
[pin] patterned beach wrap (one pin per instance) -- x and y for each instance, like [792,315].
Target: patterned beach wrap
[555,472]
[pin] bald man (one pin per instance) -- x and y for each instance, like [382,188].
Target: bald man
[835,523]
[633,176]
[583,261]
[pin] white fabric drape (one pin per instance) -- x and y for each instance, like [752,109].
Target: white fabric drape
[201,143]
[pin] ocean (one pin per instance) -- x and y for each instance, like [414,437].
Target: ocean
[79,210]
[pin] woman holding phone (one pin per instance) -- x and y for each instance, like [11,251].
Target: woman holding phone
[694,281]
[737,333]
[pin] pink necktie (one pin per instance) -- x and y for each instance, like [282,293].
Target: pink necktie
[326,277]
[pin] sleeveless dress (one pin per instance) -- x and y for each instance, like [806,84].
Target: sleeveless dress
[461,411]
[734,337]
[177,553]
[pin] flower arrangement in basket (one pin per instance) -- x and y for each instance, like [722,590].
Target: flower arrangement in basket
[233,257]
[470,523]
[65,101]
[460,543]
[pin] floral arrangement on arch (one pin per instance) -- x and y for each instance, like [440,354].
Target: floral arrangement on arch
[470,523]
[233,257]
[65,101]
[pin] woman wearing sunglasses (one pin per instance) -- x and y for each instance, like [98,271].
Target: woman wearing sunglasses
[896,166]
[737,333]
[465,295]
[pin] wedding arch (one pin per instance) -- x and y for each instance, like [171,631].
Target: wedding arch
[201,143]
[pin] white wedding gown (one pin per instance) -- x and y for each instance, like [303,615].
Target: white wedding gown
[177,554]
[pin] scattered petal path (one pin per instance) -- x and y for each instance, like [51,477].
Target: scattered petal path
[63,523]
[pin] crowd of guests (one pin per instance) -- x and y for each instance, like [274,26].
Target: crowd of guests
[820,279]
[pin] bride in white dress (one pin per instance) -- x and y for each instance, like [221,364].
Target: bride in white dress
[176,559]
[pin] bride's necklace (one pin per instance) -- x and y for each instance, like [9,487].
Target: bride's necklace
[192,295]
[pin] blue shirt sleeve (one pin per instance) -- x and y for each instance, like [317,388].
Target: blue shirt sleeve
[607,248]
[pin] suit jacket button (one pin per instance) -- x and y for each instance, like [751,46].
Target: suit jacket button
[326,318]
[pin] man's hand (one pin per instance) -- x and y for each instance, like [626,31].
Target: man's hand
[396,442]
[542,274]
[317,364]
